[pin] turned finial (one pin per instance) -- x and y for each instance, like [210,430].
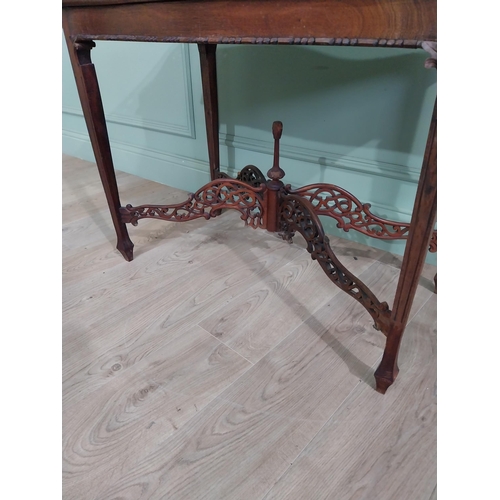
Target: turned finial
[276,173]
[277,130]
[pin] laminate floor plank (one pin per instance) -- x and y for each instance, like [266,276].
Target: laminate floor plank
[98,253]
[164,308]
[92,348]
[296,290]
[182,249]
[373,447]
[83,195]
[221,363]
[248,436]
[105,427]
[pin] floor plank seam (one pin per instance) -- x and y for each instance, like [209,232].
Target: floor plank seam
[223,343]
[123,373]
[413,316]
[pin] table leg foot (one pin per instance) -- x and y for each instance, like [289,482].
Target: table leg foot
[384,379]
[126,248]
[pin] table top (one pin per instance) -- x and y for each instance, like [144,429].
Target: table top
[400,23]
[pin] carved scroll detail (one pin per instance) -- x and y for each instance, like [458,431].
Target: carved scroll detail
[252,175]
[350,213]
[297,214]
[207,203]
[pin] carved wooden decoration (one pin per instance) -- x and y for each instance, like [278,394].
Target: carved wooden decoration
[251,175]
[258,40]
[350,213]
[269,204]
[297,215]
[297,211]
[207,202]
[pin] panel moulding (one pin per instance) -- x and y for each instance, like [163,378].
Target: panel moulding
[325,158]
[181,161]
[382,210]
[165,127]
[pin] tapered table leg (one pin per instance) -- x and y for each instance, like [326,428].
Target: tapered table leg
[209,83]
[90,98]
[422,225]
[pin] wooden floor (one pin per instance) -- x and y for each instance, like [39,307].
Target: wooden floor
[222,363]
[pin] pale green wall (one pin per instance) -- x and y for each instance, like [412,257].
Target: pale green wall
[352,116]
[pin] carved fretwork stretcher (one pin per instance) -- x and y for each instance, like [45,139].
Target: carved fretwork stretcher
[268,203]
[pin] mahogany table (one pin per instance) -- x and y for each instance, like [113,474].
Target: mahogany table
[267,202]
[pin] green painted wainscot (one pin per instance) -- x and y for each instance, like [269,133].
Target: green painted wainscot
[355,117]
